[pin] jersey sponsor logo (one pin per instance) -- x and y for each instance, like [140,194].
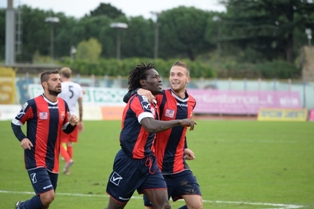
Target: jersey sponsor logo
[43,115]
[169,113]
[33,178]
[115,178]
[182,104]
[53,107]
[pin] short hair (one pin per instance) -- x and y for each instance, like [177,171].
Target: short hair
[137,74]
[182,64]
[66,72]
[45,75]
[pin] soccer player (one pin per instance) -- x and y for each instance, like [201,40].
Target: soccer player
[170,145]
[135,166]
[72,93]
[46,117]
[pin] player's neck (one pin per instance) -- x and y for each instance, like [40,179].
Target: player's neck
[179,93]
[66,80]
[50,97]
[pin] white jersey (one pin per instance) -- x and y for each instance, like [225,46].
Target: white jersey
[71,92]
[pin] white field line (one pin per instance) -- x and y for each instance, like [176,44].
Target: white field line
[272,205]
[258,141]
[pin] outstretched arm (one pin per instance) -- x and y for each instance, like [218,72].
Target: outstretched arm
[153,126]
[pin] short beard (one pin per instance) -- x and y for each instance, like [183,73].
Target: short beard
[53,93]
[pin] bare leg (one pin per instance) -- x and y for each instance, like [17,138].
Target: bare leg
[158,198]
[46,198]
[193,201]
[115,205]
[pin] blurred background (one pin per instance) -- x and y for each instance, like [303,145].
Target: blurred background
[238,45]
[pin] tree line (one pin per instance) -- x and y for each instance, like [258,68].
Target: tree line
[250,31]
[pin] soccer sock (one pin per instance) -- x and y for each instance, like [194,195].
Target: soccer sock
[34,203]
[70,151]
[183,207]
[64,152]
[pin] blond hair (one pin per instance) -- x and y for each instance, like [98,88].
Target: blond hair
[66,72]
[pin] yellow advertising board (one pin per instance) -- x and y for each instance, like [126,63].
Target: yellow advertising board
[7,85]
[282,114]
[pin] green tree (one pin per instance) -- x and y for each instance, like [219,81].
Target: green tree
[89,50]
[107,10]
[182,32]
[138,39]
[267,26]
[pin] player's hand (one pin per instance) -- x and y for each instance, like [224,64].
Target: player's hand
[147,94]
[80,126]
[188,154]
[73,120]
[26,144]
[188,122]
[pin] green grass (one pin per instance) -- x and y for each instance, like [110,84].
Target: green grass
[239,164]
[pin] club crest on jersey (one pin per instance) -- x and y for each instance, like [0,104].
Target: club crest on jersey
[43,115]
[115,178]
[169,113]
[62,115]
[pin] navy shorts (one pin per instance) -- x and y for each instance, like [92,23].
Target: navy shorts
[42,180]
[131,174]
[183,183]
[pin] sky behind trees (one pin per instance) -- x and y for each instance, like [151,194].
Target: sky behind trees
[132,8]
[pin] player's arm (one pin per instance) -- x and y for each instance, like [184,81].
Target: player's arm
[70,121]
[140,91]
[80,107]
[17,130]
[188,154]
[151,125]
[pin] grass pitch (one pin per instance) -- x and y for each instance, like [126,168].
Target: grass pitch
[239,164]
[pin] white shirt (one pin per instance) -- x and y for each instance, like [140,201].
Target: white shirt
[71,92]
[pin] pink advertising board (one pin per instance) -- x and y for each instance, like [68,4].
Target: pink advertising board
[242,102]
[312,115]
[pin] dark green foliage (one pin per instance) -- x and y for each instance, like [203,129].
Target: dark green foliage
[113,67]
[107,10]
[267,26]
[248,39]
[182,31]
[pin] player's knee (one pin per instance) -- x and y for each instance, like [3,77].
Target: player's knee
[197,206]
[166,206]
[47,197]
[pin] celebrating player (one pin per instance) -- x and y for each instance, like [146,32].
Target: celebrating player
[135,166]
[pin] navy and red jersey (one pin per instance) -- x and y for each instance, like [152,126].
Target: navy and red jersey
[170,144]
[45,121]
[135,141]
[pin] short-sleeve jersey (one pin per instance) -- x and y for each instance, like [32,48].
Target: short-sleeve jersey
[170,144]
[135,141]
[45,121]
[71,92]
